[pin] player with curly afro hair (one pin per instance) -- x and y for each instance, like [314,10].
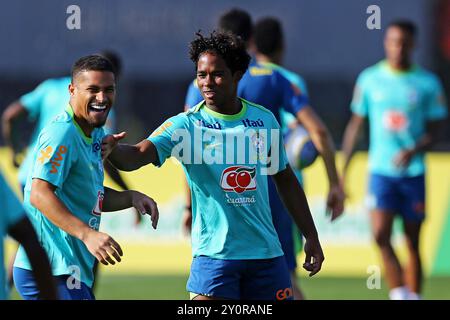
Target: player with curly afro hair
[221,60]
[229,47]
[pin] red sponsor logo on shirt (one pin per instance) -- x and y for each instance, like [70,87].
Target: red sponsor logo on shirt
[238,179]
[395,120]
[99,204]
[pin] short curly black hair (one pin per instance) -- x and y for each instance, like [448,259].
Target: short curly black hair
[226,45]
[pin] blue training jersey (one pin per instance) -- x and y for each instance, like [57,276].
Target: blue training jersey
[398,105]
[227,159]
[66,158]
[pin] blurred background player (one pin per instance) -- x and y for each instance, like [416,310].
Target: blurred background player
[41,105]
[404,105]
[67,163]
[13,221]
[268,84]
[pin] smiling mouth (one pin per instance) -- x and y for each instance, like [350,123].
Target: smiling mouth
[209,94]
[97,107]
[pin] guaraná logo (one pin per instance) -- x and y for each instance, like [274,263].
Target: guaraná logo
[238,179]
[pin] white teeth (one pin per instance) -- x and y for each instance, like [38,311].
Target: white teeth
[97,107]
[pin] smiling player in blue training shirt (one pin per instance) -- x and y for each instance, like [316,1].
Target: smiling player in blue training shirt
[284,93]
[228,146]
[64,193]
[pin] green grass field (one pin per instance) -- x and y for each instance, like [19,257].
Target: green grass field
[172,287]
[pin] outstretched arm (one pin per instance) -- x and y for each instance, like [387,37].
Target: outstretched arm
[295,201]
[115,175]
[115,200]
[324,144]
[24,233]
[127,157]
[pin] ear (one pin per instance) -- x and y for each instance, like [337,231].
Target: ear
[71,89]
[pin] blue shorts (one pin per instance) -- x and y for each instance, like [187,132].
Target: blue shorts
[402,195]
[284,226]
[28,290]
[257,279]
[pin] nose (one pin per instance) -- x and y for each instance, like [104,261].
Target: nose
[100,96]
[209,79]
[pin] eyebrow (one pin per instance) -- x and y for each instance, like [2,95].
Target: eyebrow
[93,86]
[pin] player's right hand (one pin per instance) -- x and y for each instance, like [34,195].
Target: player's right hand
[103,247]
[109,142]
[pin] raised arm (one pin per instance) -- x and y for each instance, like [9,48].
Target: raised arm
[24,233]
[99,244]
[324,144]
[295,201]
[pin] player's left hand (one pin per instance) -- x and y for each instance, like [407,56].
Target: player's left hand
[109,142]
[403,158]
[314,256]
[335,201]
[146,205]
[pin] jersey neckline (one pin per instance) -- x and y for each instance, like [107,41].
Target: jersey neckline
[226,117]
[385,65]
[87,139]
